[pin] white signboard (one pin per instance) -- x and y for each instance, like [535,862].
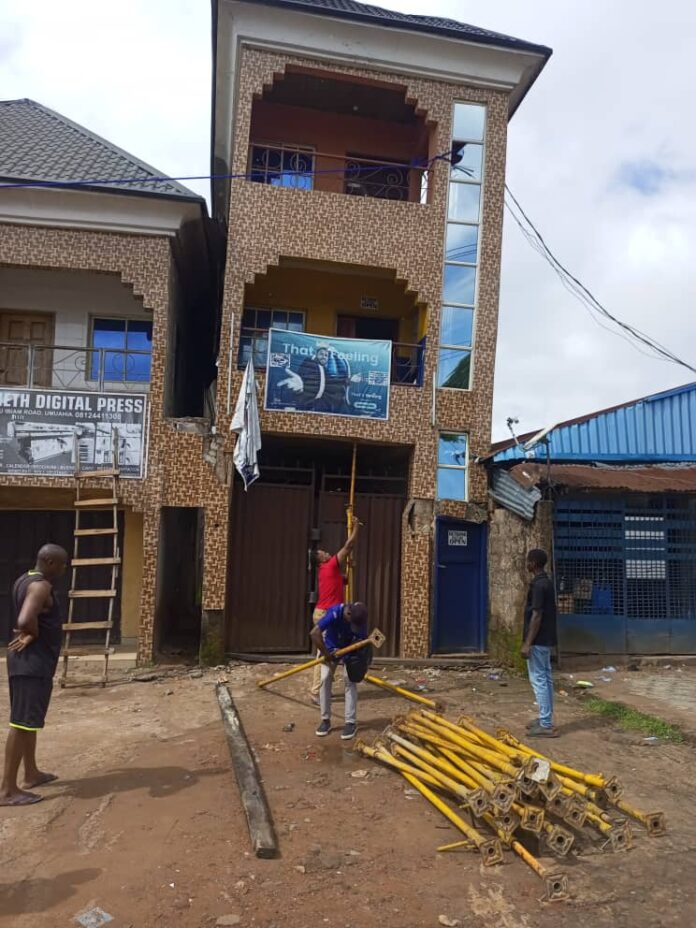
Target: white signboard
[41,430]
[457,539]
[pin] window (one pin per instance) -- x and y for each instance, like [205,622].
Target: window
[122,350]
[256,322]
[452,466]
[459,286]
[283,166]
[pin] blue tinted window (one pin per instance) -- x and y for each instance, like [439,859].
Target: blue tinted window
[467,159]
[454,369]
[451,484]
[126,350]
[456,326]
[282,167]
[459,284]
[451,450]
[461,243]
[469,121]
[464,202]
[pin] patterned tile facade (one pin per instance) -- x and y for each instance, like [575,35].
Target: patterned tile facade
[267,223]
[176,475]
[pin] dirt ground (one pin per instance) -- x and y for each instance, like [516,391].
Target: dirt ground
[145,821]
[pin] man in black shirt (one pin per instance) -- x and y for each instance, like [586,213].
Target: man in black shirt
[538,641]
[32,658]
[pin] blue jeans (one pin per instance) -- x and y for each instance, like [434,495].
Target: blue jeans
[539,669]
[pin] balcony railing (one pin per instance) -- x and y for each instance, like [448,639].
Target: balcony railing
[303,168]
[406,367]
[65,367]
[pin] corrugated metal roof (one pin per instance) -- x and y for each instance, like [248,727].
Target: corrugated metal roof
[657,478]
[350,9]
[661,427]
[519,499]
[39,144]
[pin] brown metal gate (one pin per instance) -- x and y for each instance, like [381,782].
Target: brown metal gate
[377,558]
[268,588]
[22,533]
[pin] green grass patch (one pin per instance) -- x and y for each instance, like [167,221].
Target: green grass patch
[632,720]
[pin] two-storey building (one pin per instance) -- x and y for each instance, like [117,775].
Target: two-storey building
[359,164]
[107,333]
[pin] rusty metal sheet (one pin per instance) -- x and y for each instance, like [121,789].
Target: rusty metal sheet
[648,479]
[267,569]
[377,555]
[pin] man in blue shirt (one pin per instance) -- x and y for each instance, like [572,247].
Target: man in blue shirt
[342,625]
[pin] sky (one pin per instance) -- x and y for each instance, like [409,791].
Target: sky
[602,156]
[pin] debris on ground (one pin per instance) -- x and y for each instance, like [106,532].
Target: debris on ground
[289,727]
[94,918]
[448,922]
[511,790]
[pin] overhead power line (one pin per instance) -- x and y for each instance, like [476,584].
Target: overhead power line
[638,339]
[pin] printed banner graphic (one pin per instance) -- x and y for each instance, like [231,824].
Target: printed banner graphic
[333,376]
[40,431]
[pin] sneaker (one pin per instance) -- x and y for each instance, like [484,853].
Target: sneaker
[532,724]
[538,731]
[349,730]
[324,728]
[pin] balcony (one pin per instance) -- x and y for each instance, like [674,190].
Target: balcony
[342,306]
[313,130]
[406,362]
[70,368]
[302,168]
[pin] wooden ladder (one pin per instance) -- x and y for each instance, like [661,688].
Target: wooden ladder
[107,504]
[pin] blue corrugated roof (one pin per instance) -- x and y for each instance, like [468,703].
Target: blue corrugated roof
[661,427]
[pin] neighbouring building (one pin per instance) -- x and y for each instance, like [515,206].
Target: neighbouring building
[612,496]
[107,322]
[360,164]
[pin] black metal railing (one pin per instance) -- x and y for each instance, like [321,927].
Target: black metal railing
[66,367]
[302,168]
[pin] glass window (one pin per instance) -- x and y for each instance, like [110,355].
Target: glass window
[461,243]
[123,350]
[456,326]
[256,322]
[469,121]
[454,369]
[464,202]
[282,166]
[467,158]
[452,462]
[459,284]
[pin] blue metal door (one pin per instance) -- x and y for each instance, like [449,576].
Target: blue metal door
[460,587]
[626,574]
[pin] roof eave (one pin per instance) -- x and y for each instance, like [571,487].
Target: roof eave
[508,43]
[32,183]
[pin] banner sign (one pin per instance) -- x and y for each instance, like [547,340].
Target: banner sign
[333,376]
[39,428]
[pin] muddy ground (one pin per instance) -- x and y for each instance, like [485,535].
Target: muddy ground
[145,822]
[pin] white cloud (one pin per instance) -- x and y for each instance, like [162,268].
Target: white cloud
[616,92]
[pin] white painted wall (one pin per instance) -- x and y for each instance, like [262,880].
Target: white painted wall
[73,298]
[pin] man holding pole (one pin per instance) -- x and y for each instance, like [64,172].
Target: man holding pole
[330,579]
[342,626]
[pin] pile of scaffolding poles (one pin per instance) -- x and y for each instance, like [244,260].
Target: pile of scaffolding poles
[512,795]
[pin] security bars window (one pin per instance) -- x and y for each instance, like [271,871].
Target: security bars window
[122,350]
[283,166]
[255,325]
[452,466]
[459,288]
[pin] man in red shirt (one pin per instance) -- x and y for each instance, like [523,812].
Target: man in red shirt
[330,581]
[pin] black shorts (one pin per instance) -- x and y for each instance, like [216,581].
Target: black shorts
[29,699]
